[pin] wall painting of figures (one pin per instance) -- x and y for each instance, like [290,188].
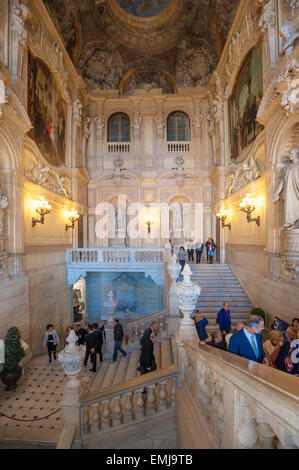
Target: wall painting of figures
[244,103]
[47,111]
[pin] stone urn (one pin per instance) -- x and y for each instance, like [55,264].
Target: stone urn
[10,377]
[71,358]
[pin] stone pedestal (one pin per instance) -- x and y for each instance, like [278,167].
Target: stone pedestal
[71,358]
[290,263]
[187,293]
[173,270]
[110,306]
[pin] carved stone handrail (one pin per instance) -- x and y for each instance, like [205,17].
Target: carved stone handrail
[134,329]
[239,403]
[125,403]
[114,255]
[67,437]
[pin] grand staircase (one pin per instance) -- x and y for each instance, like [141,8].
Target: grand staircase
[219,284]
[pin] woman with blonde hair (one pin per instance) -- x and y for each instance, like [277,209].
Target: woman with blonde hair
[272,346]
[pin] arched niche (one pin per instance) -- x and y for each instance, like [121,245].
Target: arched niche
[118,221]
[179,218]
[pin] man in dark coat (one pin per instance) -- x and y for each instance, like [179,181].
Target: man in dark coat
[118,337]
[283,361]
[147,358]
[248,342]
[100,342]
[92,347]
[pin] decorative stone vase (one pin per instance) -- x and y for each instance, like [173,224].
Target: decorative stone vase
[71,358]
[187,293]
[10,377]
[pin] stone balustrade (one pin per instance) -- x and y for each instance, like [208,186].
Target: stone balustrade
[134,329]
[226,401]
[115,255]
[119,148]
[123,404]
[178,147]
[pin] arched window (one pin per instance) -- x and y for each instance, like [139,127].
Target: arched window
[119,128]
[178,127]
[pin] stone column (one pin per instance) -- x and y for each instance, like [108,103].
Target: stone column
[110,306]
[71,359]
[173,270]
[187,293]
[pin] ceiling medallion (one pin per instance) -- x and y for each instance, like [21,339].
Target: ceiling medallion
[167,11]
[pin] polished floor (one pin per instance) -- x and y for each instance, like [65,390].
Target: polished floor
[38,394]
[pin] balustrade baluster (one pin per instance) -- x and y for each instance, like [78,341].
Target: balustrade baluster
[128,414]
[139,408]
[105,415]
[266,436]
[247,434]
[94,418]
[85,419]
[151,405]
[173,392]
[162,396]
[116,411]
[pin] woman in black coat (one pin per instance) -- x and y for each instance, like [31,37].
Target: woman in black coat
[147,358]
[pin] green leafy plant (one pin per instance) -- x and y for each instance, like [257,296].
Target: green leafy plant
[13,348]
[259,312]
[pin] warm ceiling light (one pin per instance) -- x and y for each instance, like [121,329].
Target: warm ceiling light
[248,206]
[42,208]
[222,215]
[73,216]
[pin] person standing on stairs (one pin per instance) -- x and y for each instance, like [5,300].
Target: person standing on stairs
[198,251]
[211,248]
[182,257]
[224,319]
[147,358]
[118,337]
[92,344]
[51,340]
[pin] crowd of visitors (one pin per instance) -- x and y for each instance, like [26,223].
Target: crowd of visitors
[279,350]
[190,249]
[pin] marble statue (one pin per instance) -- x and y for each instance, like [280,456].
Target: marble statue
[160,126]
[289,184]
[136,127]
[3,205]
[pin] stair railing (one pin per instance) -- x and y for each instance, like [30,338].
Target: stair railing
[134,329]
[129,402]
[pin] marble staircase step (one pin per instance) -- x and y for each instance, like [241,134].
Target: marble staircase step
[108,380]
[121,369]
[132,365]
[166,353]
[100,376]
[157,353]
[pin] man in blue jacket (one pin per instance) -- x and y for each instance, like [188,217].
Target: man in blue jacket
[224,319]
[248,342]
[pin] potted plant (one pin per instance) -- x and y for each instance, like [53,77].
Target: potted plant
[13,354]
[259,312]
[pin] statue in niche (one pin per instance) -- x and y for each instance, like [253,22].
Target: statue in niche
[3,205]
[289,184]
[136,127]
[160,126]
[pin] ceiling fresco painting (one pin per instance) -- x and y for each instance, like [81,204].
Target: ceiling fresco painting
[143,8]
[186,40]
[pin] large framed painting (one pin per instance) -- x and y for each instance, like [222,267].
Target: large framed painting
[47,111]
[244,103]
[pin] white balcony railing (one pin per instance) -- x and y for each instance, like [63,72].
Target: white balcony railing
[178,147]
[118,148]
[115,255]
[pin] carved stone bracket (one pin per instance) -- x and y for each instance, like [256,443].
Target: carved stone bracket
[73,275]
[41,174]
[241,42]
[291,268]
[243,173]
[45,48]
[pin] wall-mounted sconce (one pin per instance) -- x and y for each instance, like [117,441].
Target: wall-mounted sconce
[148,220]
[248,206]
[42,208]
[222,215]
[73,216]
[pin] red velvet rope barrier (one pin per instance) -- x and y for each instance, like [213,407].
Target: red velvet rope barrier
[29,420]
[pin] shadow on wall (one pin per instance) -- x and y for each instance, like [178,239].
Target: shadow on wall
[133,291]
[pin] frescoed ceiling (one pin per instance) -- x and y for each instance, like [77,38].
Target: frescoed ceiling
[107,40]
